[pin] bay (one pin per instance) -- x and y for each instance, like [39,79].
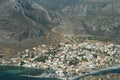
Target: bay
[15,73]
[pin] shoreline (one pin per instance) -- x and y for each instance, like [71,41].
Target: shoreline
[64,78]
[73,78]
[94,72]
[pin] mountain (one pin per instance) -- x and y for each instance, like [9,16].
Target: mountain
[26,19]
[27,23]
[84,16]
[22,19]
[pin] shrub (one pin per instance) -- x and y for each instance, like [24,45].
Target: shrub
[41,59]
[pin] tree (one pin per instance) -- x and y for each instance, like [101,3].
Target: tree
[41,59]
[95,55]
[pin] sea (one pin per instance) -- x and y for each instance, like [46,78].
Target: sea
[17,73]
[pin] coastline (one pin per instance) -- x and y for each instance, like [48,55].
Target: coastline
[94,72]
[37,76]
[64,78]
[73,78]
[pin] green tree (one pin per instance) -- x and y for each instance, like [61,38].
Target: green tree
[95,55]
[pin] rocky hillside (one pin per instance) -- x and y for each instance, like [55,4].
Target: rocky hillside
[24,24]
[30,22]
[95,17]
[26,19]
[22,19]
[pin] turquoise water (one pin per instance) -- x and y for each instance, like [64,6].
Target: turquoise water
[14,73]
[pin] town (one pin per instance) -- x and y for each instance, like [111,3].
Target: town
[69,60]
